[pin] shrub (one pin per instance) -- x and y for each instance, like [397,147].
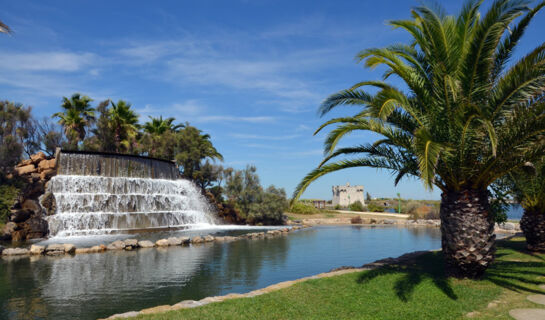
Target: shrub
[302,208]
[356,220]
[338,207]
[356,206]
[375,208]
[8,193]
[424,212]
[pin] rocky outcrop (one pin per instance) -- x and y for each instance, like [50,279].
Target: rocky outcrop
[26,218]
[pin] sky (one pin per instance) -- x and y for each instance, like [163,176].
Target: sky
[252,74]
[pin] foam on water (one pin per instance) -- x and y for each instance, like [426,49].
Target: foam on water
[88,205]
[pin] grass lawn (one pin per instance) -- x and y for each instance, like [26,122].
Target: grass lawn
[416,291]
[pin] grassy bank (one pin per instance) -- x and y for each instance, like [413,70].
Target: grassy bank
[416,291]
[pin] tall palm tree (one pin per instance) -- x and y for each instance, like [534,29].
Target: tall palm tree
[467,117]
[76,117]
[159,125]
[529,190]
[4,28]
[124,123]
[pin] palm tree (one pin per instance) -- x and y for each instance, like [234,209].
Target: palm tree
[159,126]
[528,189]
[4,28]
[465,119]
[78,114]
[124,123]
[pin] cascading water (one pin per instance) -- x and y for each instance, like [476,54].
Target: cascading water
[122,200]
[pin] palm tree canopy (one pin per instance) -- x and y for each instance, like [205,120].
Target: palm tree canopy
[528,186]
[469,114]
[159,125]
[124,123]
[78,114]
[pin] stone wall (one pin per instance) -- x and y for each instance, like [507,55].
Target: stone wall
[26,219]
[346,195]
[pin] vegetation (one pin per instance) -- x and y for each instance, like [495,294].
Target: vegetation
[357,206]
[467,118]
[419,290]
[528,188]
[8,192]
[252,203]
[77,116]
[301,207]
[374,208]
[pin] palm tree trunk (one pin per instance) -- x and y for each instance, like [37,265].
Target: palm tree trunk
[467,233]
[533,226]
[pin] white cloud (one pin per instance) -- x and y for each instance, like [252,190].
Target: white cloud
[261,137]
[46,61]
[219,118]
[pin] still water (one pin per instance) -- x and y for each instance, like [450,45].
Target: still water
[91,286]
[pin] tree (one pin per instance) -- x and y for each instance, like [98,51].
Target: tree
[103,135]
[465,119]
[192,148]
[528,187]
[13,119]
[158,126]
[124,124]
[77,116]
[368,197]
[159,138]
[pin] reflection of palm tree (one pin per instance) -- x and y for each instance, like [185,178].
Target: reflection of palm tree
[77,115]
[467,118]
[124,122]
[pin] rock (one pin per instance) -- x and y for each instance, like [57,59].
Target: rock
[116,245]
[9,228]
[131,243]
[28,169]
[54,249]
[20,215]
[208,238]
[197,239]
[25,162]
[537,298]
[146,244]
[473,314]
[69,248]
[96,249]
[162,243]
[48,203]
[173,241]
[47,164]
[36,249]
[356,220]
[389,221]
[18,235]
[285,230]
[83,250]
[373,221]
[185,240]
[36,228]
[527,314]
[15,252]
[47,174]
[37,157]
[32,205]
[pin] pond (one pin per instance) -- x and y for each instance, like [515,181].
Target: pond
[90,286]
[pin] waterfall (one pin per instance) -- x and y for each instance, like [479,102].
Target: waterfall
[97,194]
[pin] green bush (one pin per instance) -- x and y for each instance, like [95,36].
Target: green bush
[302,208]
[356,206]
[374,208]
[338,207]
[7,197]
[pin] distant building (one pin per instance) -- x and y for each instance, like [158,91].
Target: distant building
[346,195]
[318,204]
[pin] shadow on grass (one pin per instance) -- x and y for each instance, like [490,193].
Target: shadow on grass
[513,270]
[427,266]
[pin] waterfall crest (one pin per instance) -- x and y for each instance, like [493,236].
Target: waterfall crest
[97,194]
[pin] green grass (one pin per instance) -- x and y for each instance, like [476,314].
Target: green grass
[416,291]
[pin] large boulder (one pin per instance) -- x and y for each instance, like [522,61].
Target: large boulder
[47,164]
[69,248]
[8,230]
[173,241]
[197,239]
[38,157]
[47,174]
[36,249]
[161,243]
[18,235]
[20,215]
[146,244]
[48,203]
[116,245]
[15,252]
[36,228]
[28,169]
[32,205]
[54,249]
[131,244]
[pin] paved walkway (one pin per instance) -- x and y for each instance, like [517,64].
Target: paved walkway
[531,314]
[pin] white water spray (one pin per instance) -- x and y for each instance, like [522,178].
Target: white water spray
[99,205]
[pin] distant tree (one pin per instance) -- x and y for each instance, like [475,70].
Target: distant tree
[368,197]
[77,116]
[159,138]
[50,135]
[103,135]
[158,126]
[13,120]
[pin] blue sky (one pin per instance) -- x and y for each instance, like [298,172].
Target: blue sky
[250,73]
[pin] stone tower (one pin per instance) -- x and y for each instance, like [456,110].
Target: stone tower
[346,195]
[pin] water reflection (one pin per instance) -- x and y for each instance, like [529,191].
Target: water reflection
[90,286]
